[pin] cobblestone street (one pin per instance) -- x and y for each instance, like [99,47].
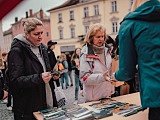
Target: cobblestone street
[8,115]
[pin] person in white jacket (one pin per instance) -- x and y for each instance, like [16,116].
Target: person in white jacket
[95,65]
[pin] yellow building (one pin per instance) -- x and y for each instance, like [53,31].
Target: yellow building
[71,20]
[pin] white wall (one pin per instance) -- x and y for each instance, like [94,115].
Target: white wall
[1,38]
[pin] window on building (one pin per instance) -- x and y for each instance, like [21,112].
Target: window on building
[114,6]
[86,12]
[72,32]
[60,34]
[114,27]
[15,27]
[71,15]
[96,10]
[131,2]
[86,29]
[47,24]
[47,34]
[19,27]
[60,17]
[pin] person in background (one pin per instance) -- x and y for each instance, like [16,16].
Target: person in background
[4,59]
[139,44]
[7,81]
[75,66]
[53,61]
[30,72]
[95,65]
[64,76]
[111,44]
[3,93]
[68,57]
[58,58]
[4,82]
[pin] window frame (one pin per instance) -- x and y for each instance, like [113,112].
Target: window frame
[114,27]
[72,30]
[71,13]
[60,34]
[86,12]
[114,6]
[86,28]
[59,17]
[96,9]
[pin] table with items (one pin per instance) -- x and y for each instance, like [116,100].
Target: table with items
[126,107]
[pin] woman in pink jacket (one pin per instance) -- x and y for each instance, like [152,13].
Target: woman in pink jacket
[95,65]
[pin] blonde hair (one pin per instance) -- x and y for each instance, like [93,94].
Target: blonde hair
[63,56]
[30,24]
[92,31]
[137,3]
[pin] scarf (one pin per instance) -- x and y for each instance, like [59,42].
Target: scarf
[100,52]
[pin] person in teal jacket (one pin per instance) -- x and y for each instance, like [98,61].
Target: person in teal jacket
[139,44]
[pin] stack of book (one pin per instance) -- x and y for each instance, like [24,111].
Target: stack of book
[74,112]
[116,107]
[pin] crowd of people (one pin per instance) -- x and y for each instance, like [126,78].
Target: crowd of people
[30,64]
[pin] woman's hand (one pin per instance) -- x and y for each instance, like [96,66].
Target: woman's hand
[106,76]
[55,77]
[46,76]
[113,79]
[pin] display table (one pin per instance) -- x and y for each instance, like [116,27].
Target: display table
[130,98]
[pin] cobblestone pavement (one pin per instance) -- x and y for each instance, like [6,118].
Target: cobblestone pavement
[8,115]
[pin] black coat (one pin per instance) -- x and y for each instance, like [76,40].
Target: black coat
[52,58]
[27,86]
[53,62]
[1,86]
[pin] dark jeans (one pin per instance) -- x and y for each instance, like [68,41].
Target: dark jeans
[9,103]
[64,77]
[76,86]
[154,113]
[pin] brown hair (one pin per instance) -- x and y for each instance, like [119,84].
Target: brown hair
[74,55]
[30,24]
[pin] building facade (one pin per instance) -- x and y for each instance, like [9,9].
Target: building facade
[1,39]
[17,28]
[71,20]
[7,40]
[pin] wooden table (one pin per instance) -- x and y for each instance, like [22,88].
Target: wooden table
[130,98]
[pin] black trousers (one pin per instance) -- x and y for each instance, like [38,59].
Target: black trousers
[9,99]
[154,113]
[23,117]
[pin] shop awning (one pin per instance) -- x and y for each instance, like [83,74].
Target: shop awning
[7,5]
[67,48]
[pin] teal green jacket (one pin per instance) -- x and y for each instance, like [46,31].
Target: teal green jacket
[139,44]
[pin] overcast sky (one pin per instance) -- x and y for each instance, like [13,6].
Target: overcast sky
[20,10]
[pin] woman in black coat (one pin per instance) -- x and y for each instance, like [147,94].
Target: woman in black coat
[30,72]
